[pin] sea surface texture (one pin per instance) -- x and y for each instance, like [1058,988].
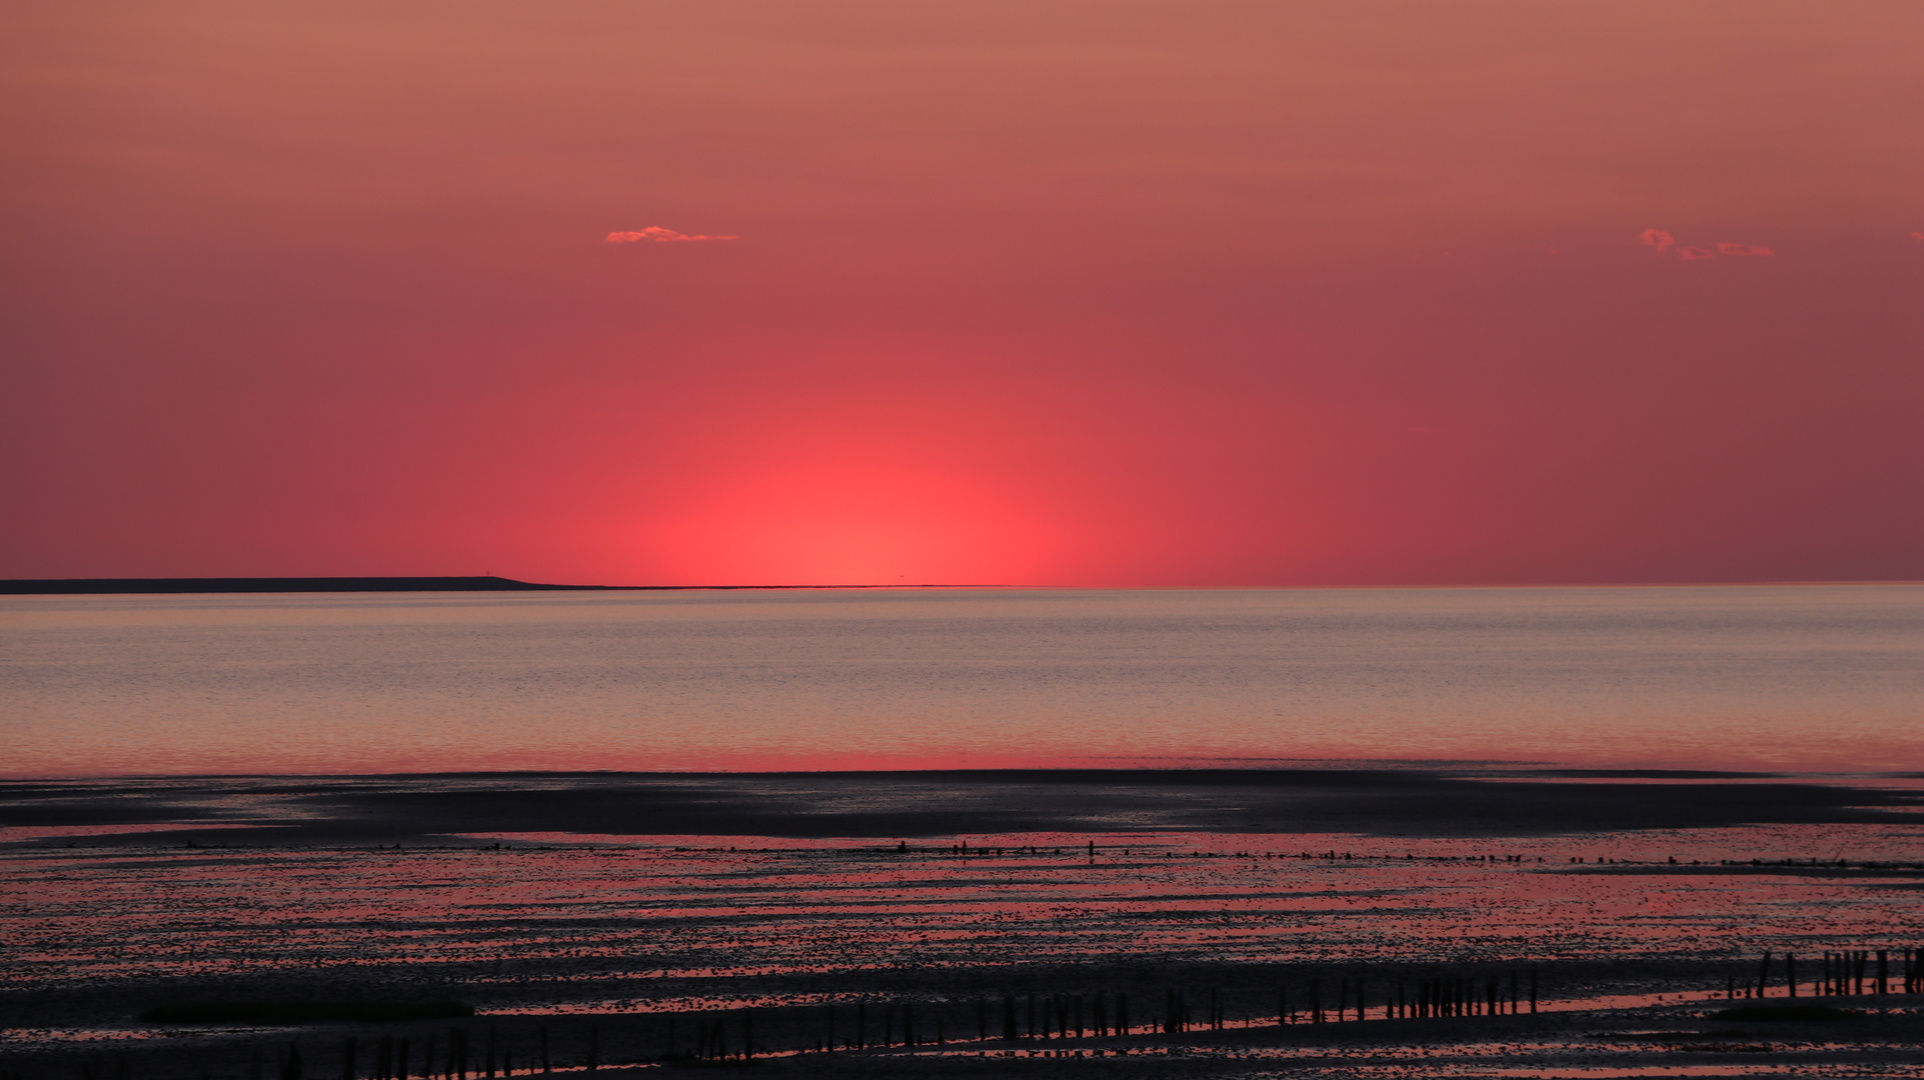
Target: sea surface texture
[1804,678]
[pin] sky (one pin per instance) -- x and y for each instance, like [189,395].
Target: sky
[1060,293]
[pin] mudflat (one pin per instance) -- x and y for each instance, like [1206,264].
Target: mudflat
[1299,922]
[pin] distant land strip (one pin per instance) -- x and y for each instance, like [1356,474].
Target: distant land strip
[68,586]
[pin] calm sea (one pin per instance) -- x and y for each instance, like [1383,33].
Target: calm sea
[1806,678]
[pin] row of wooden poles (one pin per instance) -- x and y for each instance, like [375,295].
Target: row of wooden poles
[866,1025]
[393,1058]
[1846,973]
[1106,1014]
[863,1026]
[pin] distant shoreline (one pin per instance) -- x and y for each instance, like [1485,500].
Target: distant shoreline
[97,586]
[165,586]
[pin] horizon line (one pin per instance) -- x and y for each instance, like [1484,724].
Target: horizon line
[496,583]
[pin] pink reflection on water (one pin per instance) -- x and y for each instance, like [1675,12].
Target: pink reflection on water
[666,915]
[18,834]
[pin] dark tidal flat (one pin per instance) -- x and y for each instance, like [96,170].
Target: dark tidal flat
[1310,922]
[322,810]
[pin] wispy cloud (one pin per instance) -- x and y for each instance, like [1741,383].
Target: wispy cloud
[1666,246]
[659,235]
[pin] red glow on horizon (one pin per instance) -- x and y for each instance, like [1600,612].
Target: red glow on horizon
[1251,294]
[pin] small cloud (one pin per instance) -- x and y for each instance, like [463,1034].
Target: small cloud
[1666,246]
[1917,236]
[659,235]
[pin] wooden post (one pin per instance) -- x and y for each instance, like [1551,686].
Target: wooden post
[1763,974]
[542,1032]
[347,1059]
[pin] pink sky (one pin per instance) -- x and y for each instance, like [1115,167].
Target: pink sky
[1060,293]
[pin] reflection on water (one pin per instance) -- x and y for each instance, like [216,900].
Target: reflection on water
[1803,678]
[730,921]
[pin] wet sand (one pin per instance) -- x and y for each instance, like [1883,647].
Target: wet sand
[1373,802]
[630,915]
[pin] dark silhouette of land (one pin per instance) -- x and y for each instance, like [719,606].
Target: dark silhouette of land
[76,586]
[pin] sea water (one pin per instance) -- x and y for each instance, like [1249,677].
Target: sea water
[1804,678]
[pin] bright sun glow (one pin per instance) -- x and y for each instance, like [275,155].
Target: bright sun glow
[819,525]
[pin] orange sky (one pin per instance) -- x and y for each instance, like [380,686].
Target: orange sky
[1050,293]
